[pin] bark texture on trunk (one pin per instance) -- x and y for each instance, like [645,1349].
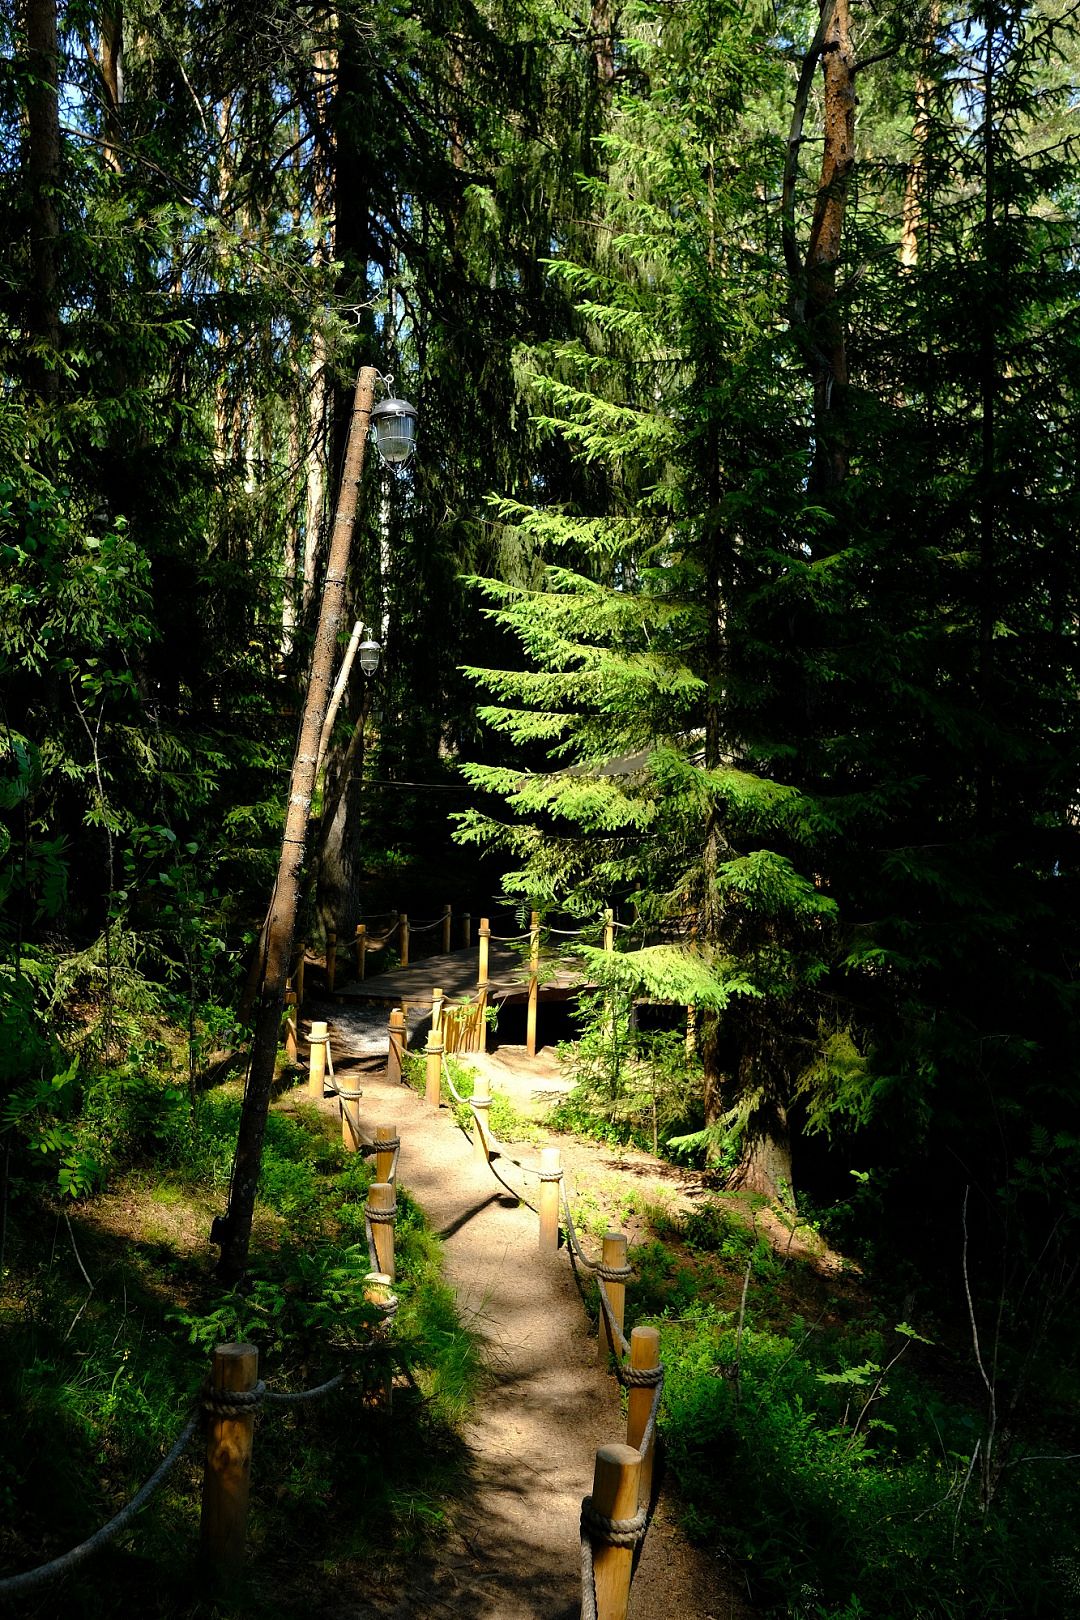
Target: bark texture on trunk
[233,1232]
[111,47]
[824,317]
[43,155]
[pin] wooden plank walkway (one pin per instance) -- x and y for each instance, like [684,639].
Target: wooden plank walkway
[456,976]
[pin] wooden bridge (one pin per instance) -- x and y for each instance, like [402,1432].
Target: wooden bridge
[490,974]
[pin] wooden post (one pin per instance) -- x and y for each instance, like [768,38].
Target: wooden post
[609,930]
[227,1473]
[331,959]
[613,1253]
[436,1013]
[644,1354]
[466,929]
[433,1072]
[615,1495]
[534,983]
[317,1061]
[484,935]
[403,939]
[550,1162]
[691,1031]
[381,1198]
[447,921]
[384,1162]
[361,951]
[290,1025]
[350,1124]
[396,1045]
[377,1290]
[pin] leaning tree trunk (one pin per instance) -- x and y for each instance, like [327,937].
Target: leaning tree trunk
[233,1231]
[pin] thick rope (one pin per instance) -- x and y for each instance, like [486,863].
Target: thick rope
[588,1578]
[380,1217]
[294,1397]
[654,1412]
[612,1532]
[233,1403]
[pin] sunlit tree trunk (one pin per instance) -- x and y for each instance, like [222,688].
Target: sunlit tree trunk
[43,156]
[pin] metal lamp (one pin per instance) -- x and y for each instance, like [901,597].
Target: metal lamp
[394,421]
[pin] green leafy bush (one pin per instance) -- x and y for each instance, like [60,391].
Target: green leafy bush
[844,1493]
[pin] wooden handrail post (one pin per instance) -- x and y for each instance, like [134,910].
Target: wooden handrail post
[396,1044]
[350,1126]
[290,1025]
[384,1162]
[484,935]
[481,1103]
[466,929]
[691,1031]
[377,1290]
[609,930]
[613,1253]
[433,1071]
[317,1061]
[615,1495]
[403,939]
[550,1163]
[361,951]
[480,1027]
[437,999]
[227,1472]
[381,1200]
[331,959]
[534,983]
[644,1355]
[447,923]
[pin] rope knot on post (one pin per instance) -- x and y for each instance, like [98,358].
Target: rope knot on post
[228,1403]
[640,1377]
[376,1216]
[612,1532]
[549,1175]
[613,1273]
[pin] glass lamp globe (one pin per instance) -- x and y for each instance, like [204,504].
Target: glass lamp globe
[394,421]
[369,656]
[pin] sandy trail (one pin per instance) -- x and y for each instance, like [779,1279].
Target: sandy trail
[513,1551]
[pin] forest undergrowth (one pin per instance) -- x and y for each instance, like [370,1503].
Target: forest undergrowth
[110,1310]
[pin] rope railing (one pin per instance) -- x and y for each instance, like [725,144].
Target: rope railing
[615,1516]
[425,928]
[216,1405]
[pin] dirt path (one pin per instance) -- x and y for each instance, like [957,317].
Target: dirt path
[513,1551]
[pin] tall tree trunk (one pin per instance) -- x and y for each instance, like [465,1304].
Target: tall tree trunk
[111,47]
[324,222]
[233,1230]
[825,321]
[602,25]
[43,173]
[988,390]
[915,178]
